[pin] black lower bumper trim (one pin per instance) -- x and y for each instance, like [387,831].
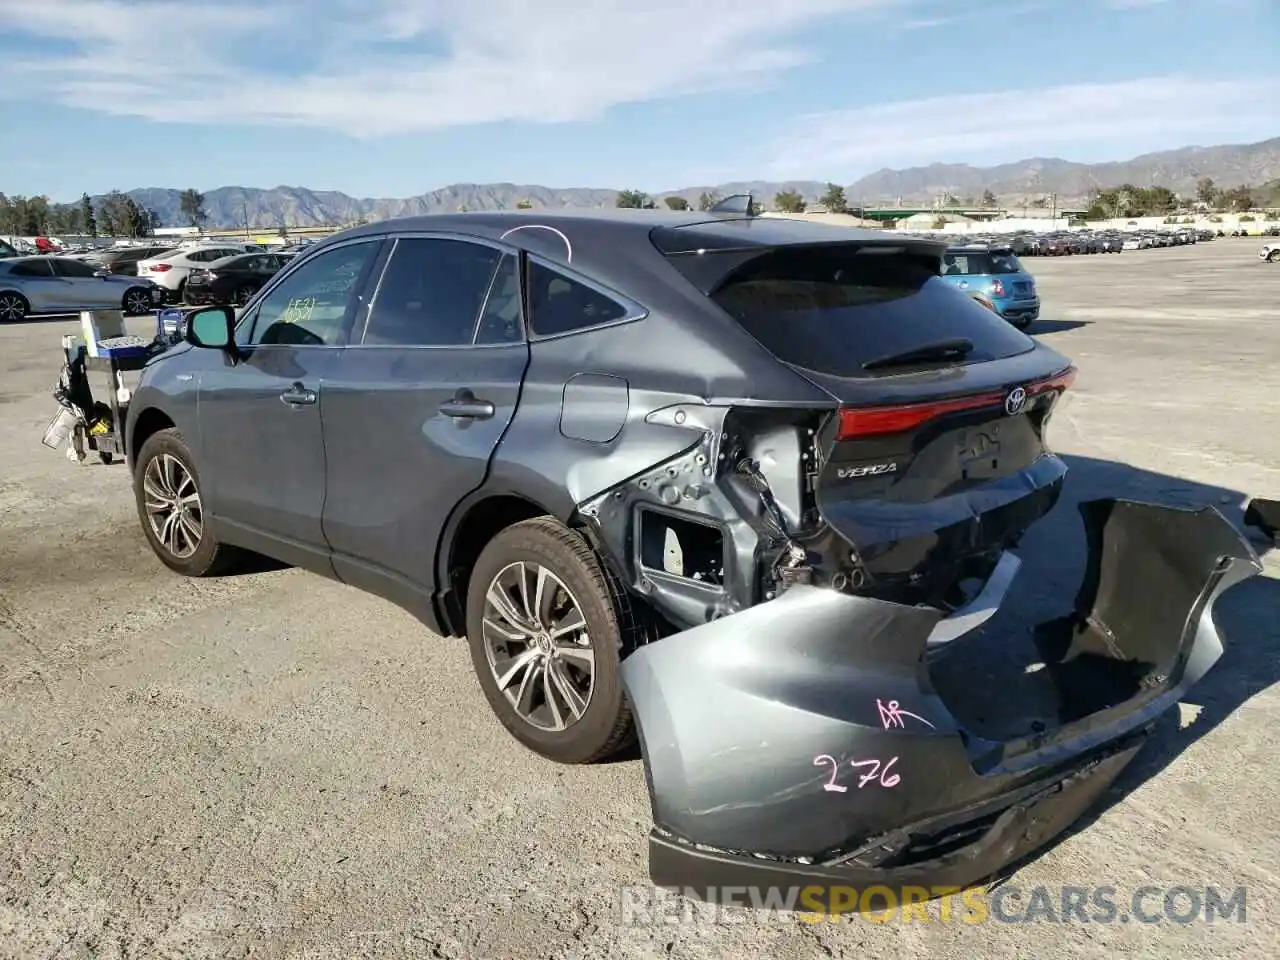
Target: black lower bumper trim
[1265,515]
[1023,828]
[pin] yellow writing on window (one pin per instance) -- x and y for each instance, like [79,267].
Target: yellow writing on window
[298,310]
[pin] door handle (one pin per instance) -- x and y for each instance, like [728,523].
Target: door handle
[298,395]
[465,406]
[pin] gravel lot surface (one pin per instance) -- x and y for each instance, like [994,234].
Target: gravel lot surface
[278,766]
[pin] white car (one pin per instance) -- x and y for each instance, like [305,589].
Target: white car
[171,271]
[1270,252]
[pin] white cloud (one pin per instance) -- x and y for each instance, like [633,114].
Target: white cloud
[376,67]
[1021,123]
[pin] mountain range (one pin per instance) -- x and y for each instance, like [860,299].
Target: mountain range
[1011,183]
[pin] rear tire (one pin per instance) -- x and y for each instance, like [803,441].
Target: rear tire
[1273,256]
[13,307]
[136,302]
[243,296]
[167,491]
[575,642]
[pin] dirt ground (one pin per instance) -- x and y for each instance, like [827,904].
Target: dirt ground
[278,766]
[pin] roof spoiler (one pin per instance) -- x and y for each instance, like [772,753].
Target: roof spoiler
[739,205]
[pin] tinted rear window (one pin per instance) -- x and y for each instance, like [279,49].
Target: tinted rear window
[980,264]
[832,310]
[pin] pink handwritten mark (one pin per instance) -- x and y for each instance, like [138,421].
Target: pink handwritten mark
[835,768]
[879,772]
[891,715]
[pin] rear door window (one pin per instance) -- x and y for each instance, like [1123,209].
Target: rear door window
[831,310]
[66,267]
[431,293]
[980,264]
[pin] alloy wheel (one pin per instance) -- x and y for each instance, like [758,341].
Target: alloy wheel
[538,646]
[12,307]
[173,505]
[137,302]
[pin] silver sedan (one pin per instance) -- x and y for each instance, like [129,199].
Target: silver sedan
[62,285]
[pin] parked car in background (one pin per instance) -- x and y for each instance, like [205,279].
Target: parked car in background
[52,284]
[171,270]
[233,280]
[124,261]
[996,273]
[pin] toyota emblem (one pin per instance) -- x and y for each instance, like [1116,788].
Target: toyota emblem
[1015,401]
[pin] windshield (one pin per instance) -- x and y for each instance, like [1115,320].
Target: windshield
[833,310]
[980,264]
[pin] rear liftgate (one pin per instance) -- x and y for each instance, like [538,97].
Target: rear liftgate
[802,741]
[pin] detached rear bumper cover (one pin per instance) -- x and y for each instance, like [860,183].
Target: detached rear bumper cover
[802,741]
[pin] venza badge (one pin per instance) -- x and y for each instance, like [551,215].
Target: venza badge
[1015,401]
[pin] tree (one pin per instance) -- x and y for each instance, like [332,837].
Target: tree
[1130,201]
[834,199]
[191,202]
[634,200]
[789,201]
[88,221]
[524,205]
[708,200]
[31,215]
[1206,192]
[676,203]
[1237,199]
[989,199]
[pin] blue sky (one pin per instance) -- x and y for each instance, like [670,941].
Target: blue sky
[391,98]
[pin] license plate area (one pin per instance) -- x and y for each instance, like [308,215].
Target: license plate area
[979,452]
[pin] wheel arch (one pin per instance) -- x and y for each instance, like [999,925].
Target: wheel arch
[469,531]
[148,423]
[17,293]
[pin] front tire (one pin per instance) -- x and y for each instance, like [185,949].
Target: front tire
[548,628]
[170,506]
[1273,256]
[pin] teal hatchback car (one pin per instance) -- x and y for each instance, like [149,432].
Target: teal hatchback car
[997,275]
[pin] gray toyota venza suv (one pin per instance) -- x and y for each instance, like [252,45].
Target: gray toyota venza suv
[730,483]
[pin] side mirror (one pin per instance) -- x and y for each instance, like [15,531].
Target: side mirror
[101,274]
[213,328]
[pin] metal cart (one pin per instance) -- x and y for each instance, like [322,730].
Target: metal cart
[99,427]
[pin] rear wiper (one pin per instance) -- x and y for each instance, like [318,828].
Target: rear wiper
[953,349]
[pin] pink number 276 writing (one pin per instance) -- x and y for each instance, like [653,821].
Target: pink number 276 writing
[877,771]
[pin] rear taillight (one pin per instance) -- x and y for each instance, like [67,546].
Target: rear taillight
[860,422]
[159,267]
[997,288]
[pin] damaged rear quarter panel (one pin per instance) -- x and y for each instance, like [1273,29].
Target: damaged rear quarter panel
[659,390]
